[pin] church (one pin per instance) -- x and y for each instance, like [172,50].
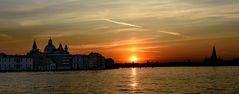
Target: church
[214,59]
[51,49]
[53,58]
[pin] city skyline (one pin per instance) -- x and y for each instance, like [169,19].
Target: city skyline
[158,30]
[50,48]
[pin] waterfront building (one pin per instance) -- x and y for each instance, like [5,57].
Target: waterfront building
[16,62]
[109,63]
[80,62]
[91,61]
[53,58]
[96,61]
[60,56]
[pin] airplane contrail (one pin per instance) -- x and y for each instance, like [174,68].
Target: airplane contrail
[122,23]
[170,33]
[132,25]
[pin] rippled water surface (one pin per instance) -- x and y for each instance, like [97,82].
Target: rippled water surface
[126,80]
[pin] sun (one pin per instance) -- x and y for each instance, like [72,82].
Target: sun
[133,59]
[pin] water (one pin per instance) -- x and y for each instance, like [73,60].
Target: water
[219,80]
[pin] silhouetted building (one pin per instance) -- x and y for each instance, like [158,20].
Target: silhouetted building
[50,48]
[53,59]
[34,50]
[2,54]
[59,58]
[214,54]
[80,62]
[214,59]
[109,63]
[16,62]
[91,61]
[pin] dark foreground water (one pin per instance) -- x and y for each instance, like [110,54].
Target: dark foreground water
[216,80]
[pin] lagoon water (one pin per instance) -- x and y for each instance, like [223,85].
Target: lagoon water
[202,80]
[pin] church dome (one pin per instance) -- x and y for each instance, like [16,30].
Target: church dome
[50,48]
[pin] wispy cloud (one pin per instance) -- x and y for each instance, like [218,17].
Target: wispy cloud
[122,23]
[137,28]
[128,42]
[170,33]
[47,34]
[127,30]
[4,35]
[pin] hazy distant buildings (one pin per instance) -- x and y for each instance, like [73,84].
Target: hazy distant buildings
[214,59]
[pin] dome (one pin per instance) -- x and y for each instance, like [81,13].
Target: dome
[50,47]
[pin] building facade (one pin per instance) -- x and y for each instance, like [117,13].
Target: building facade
[13,63]
[89,62]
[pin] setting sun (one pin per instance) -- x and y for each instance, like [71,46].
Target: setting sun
[133,59]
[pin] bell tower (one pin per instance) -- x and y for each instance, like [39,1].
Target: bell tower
[214,54]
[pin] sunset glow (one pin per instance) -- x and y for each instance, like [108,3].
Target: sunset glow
[133,59]
[155,30]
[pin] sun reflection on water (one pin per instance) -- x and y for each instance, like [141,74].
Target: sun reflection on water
[133,83]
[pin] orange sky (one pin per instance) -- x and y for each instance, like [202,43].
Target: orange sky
[158,30]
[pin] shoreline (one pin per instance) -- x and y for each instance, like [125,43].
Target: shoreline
[9,71]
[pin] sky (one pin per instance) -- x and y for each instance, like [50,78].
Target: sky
[154,30]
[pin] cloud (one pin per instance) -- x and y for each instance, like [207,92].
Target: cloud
[170,33]
[4,35]
[127,30]
[120,43]
[121,23]
[47,34]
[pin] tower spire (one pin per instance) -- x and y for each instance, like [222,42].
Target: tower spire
[66,48]
[34,46]
[214,53]
[60,47]
[50,41]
